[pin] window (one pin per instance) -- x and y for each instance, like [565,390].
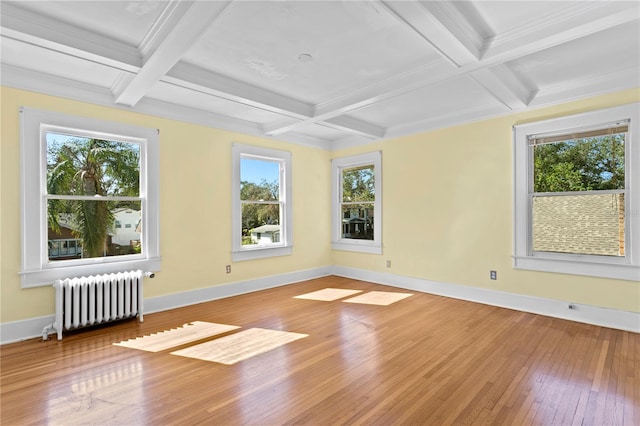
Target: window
[577,182]
[261,205]
[77,173]
[356,203]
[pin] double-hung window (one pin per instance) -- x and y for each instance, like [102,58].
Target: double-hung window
[577,183]
[357,203]
[261,208]
[78,174]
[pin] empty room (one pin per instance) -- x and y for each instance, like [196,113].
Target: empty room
[320,212]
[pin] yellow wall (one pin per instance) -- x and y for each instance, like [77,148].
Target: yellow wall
[195,205]
[447,211]
[446,208]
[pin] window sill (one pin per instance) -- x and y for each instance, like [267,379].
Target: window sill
[46,277]
[260,253]
[617,271]
[357,247]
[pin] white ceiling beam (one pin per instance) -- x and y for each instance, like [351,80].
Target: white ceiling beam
[204,81]
[441,33]
[355,126]
[542,35]
[184,33]
[504,85]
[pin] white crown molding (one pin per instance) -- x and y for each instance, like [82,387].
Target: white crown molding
[47,84]
[604,317]
[32,28]
[578,20]
[470,115]
[579,88]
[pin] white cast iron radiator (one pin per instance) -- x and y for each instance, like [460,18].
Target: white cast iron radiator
[84,301]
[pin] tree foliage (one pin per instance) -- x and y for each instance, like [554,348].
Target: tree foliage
[258,214]
[90,167]
[588,164]
[358,184]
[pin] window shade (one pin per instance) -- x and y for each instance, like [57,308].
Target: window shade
[610,129]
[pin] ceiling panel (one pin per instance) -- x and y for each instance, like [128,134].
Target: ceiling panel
[351,44]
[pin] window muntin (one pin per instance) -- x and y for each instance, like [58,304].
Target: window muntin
[87,181]
[578,192]
[577,214]
[53,193]
[357,203]
[261,202]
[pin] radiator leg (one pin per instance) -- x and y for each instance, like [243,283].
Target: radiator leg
[45,332]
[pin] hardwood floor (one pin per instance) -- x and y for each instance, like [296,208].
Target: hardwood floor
[424,360]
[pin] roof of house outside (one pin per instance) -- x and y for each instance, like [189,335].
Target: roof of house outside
[266,228]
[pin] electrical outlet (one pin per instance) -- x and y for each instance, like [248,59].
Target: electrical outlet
[228,269]
[388,264]
[493,275]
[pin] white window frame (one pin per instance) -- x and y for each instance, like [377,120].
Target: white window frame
[624,268]
[337,166]
[285,246]
[36,270]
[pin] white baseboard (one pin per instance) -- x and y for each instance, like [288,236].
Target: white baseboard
[630,321]
[177,300]
[16,331]
[612,318]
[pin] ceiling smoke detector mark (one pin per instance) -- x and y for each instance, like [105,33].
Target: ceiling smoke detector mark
[142,8]
[304,58]
[264,68]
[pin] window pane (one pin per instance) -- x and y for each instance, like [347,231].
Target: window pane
[83,166]
[259,180]
[588,164]
[358,184]
[84,229]
[579,224]
[260,224]
[357,221]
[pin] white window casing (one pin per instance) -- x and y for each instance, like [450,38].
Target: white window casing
[337,166]
[36,270]
[625,267]
[285,244]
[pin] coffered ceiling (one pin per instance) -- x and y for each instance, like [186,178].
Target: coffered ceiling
[325,73]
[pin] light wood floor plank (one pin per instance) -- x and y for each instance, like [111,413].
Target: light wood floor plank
[424,360]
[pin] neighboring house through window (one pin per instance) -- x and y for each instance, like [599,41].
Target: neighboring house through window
[357,203]
[261,205]
[577,183]
[78,174]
